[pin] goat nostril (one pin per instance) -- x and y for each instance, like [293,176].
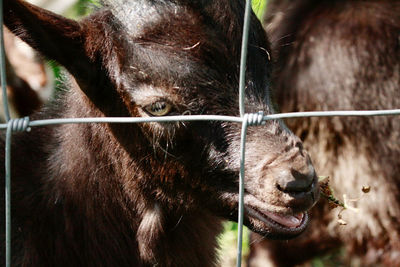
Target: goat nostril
[293,187]
[297,183]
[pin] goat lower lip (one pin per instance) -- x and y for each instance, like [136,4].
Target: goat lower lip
[280,224]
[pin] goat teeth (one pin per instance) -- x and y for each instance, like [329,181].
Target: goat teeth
[299,216]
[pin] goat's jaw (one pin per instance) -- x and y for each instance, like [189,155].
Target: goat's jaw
[275,225]
[273,222]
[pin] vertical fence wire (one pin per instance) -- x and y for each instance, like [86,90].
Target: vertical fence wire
[241,191]
[242,86]
[3,77]
[243,57]
[8,194]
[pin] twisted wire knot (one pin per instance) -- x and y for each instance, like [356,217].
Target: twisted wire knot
[255,119]
[19,125]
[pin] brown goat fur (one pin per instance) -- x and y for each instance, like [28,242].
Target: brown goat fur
[151,193]
[342,55]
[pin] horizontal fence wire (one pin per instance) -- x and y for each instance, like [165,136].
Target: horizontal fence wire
[245,119]
[188,118]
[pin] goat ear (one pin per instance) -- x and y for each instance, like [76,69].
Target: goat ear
[54,36]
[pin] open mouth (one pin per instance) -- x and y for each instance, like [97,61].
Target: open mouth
[285,219]
[276,222]
[279,225]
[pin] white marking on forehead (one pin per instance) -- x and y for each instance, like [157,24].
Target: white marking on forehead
[135,15]
[131,13]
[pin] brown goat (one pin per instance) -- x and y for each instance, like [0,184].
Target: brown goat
[342,55]
[152,193]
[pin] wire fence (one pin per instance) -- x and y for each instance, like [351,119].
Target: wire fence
[246,119]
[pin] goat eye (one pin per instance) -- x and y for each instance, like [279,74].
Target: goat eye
[160,108]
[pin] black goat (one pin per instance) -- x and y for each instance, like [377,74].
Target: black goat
[153,193]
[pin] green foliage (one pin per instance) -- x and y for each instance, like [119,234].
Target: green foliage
[56,72]
[82,8]
[259,7]
[228,244]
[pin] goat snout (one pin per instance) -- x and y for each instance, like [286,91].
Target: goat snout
[291,177]
[288,190]
[296,181]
